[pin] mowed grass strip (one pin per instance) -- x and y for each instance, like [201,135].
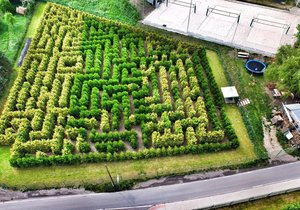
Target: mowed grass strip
[36,19]
[61,176]
[232,111]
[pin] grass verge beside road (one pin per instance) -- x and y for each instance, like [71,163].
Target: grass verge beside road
[275,202]
[80,175]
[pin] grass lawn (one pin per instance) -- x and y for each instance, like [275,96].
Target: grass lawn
[10,40]
[60,176]
[275,202]
[217,68]
[36,19]
[120,10]
[253,88]
[232,111]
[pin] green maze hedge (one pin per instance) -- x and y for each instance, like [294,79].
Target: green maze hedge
[93,90]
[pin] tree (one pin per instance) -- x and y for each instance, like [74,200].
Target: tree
[5,6]
[286,70]
[29,4]
[5,70]
[10,20]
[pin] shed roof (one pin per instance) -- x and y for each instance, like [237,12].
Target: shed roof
[293,107]
[229,92]
[288,135]
[294,111]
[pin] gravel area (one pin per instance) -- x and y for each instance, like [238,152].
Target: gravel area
[273,147]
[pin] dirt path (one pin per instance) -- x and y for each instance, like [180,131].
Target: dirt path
[128,146]
[273,147]
[160,88]
[122,127]
[139,136]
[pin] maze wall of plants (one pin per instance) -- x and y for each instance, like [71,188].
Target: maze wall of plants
[93,90]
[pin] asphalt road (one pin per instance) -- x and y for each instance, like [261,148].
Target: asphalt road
[164,194]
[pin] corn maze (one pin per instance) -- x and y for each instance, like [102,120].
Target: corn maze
[93,90]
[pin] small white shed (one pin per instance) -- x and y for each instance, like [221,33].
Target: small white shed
[230,94]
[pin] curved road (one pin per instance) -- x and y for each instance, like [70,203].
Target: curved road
[164,194]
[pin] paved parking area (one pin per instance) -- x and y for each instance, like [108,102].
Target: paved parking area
[266,34]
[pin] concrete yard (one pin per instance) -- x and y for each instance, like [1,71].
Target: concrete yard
[265,36]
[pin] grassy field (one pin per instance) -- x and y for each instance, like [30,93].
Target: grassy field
[275,202]
[120,10]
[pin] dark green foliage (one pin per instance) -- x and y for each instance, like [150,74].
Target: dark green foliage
[286,69]
[6,6]
[30,161]
[5,71]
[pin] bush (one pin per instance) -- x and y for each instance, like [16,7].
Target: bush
[6,6]
[295,206]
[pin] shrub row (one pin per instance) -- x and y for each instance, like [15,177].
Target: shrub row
[128,155]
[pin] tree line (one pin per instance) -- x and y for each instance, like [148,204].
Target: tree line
[285,71]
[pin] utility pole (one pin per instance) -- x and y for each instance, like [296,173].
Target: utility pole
[112,181]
